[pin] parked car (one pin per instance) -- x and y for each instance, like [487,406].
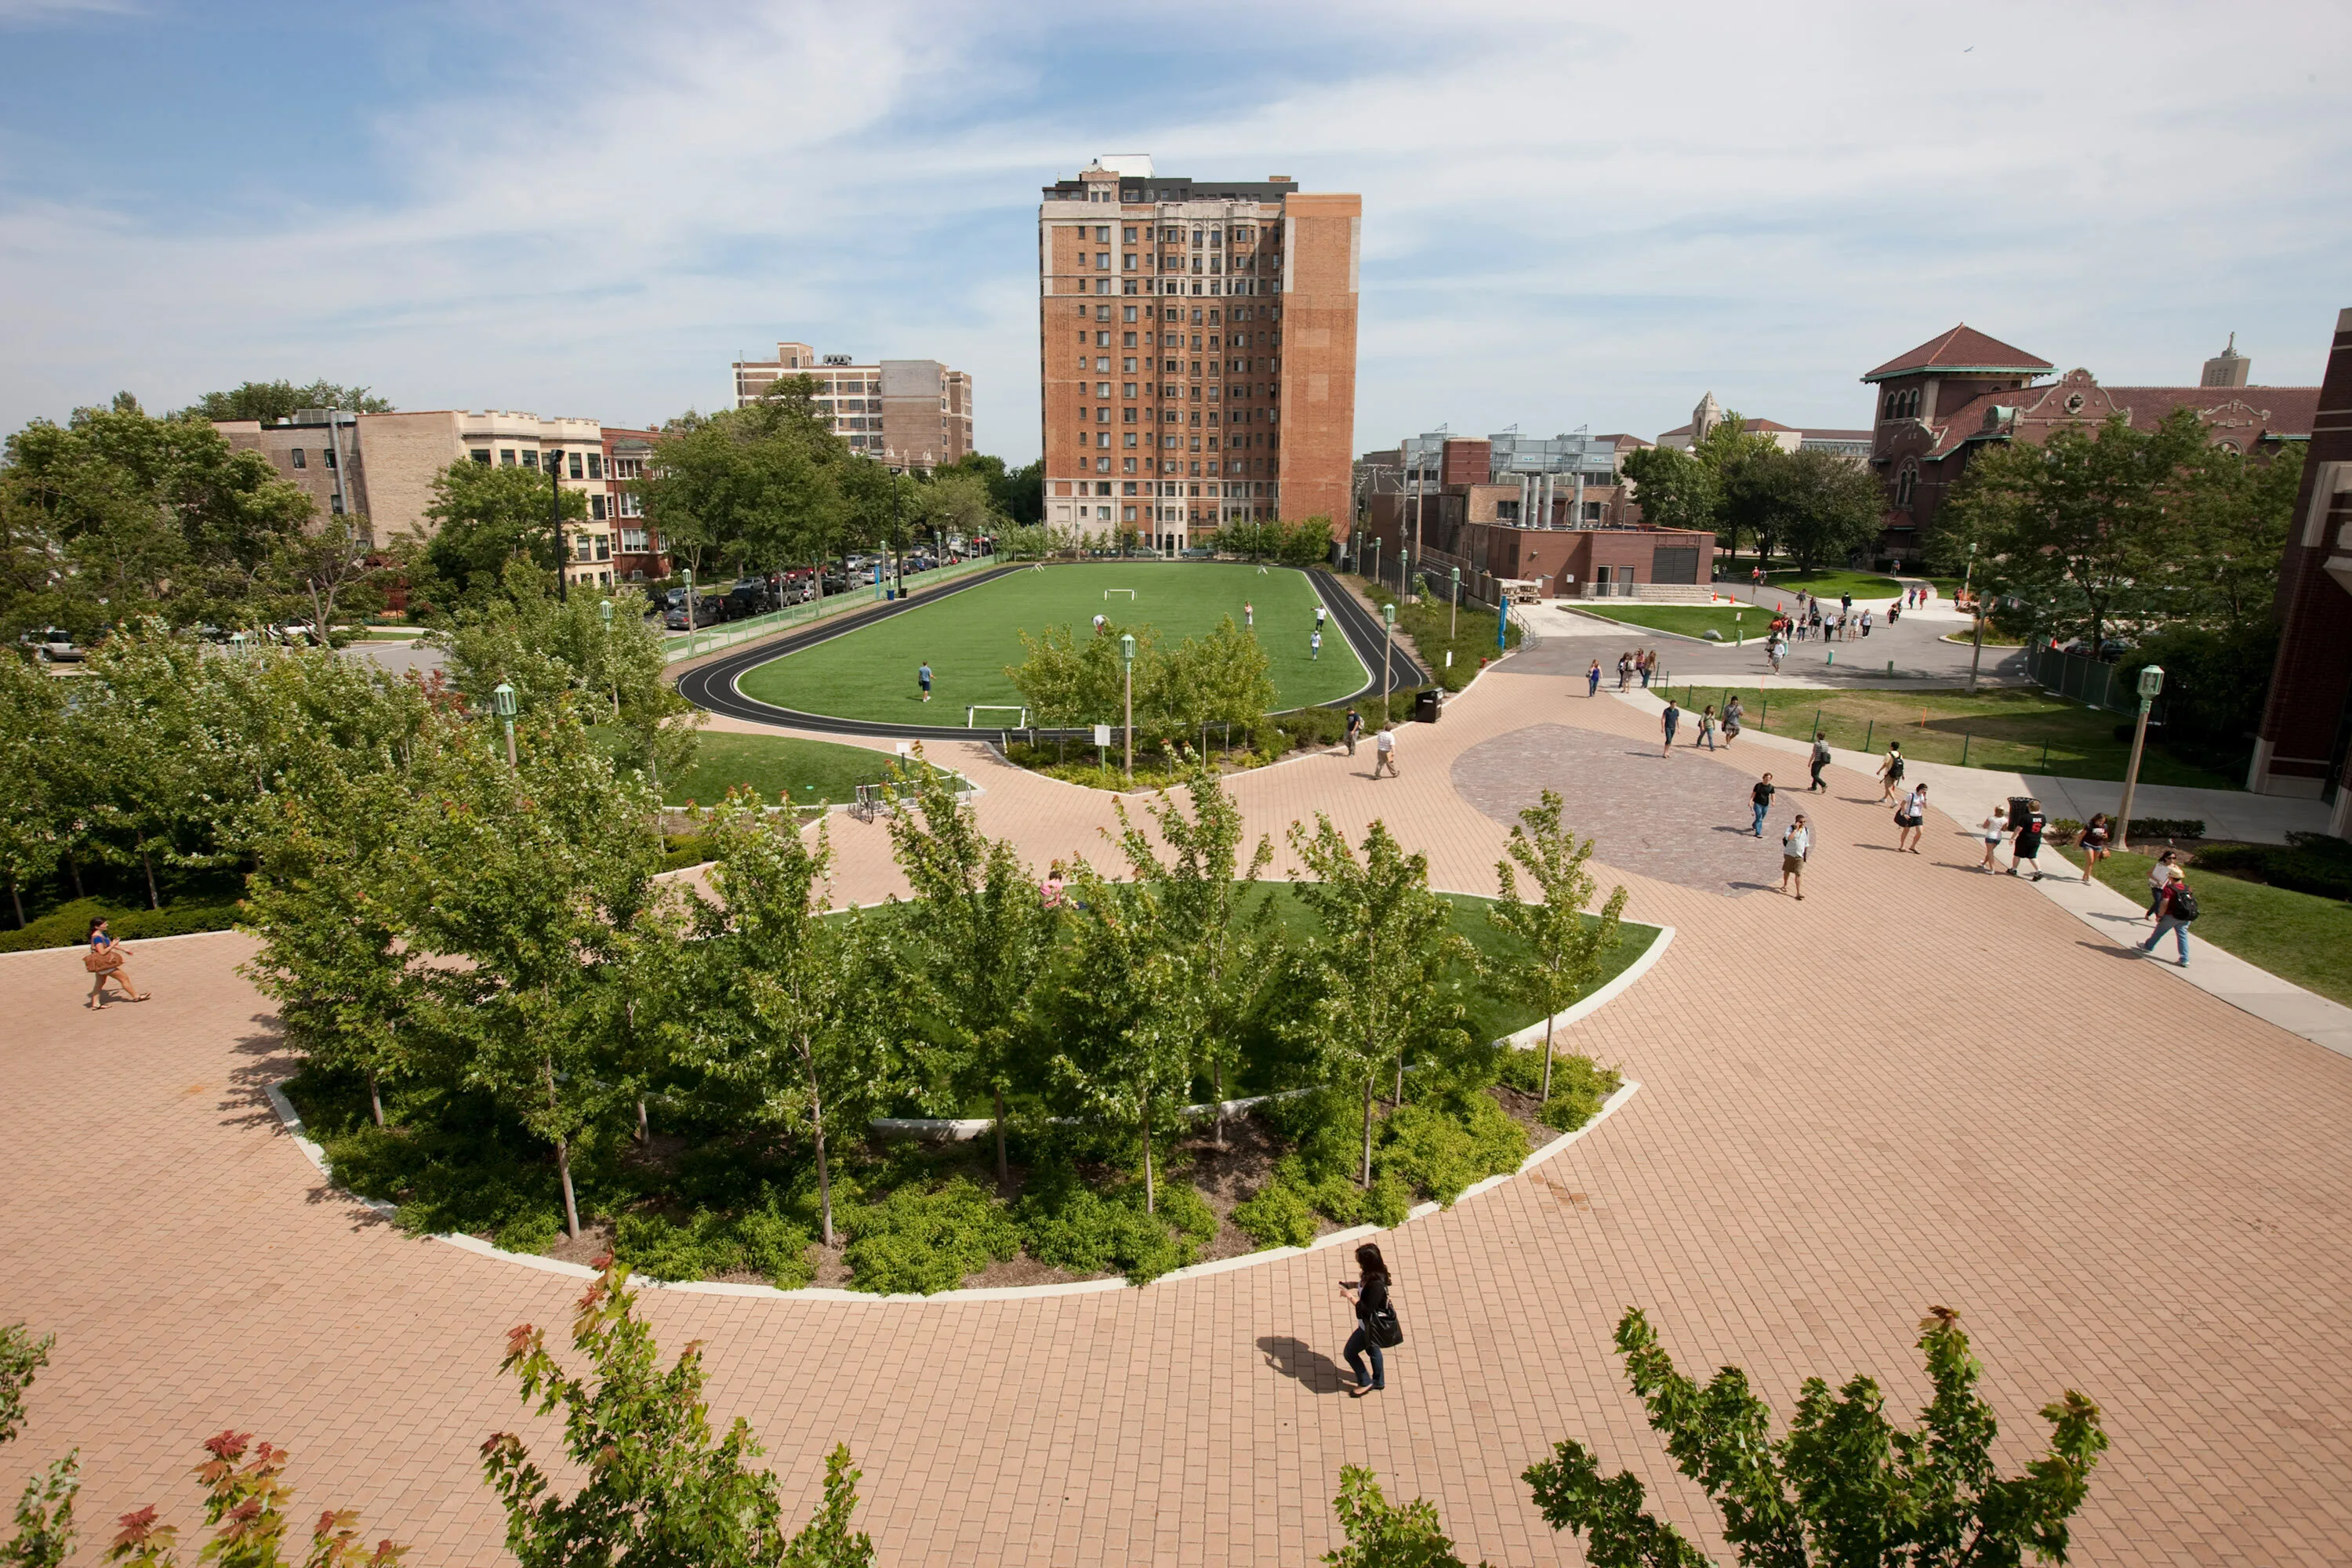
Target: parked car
[53,644]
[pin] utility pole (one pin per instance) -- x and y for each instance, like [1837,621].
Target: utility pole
[1454,614]
[1127,663]
[502,703]
[2151,682]
[1976,603]
[1388,657]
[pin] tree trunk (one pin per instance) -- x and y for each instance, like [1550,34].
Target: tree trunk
[571,1205]
[1367,1180]
[1547,1087]
[1221,1104]
[16,895]
[154,900]
[823,1171]
[1398,1100]
[1003,1172]
[376,1099]
[1150,1192]
[645,1131]
[74,864]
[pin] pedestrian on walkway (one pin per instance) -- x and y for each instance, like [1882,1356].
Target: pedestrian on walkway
[1705,736]
[1761,798]
[1796,848]
[2098,843]
[1315,645]
[1992,830]
[2158,876]
[1624,670]
[1384,753]
[1321,611]
[1649,662]
[1592,679]
[923,678]
[1908,815]
[1354,730]
[1375,1319]
[2175,906]
[1845,602]
[1732,716]
[1891,772]
[2025,849]
[1821,759]
[1772,652]
[1668,720]
[105,960]
[1865,623]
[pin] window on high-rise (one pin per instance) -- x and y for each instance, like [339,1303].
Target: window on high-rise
[595,465]
[506,458]
[579,466]
[480,455]
[299,461]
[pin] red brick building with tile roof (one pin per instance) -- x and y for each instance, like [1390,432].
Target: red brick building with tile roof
[1943,400]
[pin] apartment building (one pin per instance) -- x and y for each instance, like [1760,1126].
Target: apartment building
[381,467]
[637,553]
[1222,316]
[912,413]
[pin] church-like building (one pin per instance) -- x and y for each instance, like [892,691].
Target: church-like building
[1953,394]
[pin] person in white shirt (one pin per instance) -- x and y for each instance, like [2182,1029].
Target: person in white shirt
[1384,748]
[1907,819]
[1796,848]
[1992,830]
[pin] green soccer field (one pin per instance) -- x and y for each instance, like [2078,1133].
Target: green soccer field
[970,637]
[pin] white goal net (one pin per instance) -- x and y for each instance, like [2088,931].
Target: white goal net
[971,715]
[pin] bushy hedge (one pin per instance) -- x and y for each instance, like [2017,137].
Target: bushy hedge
[1071,1224]
[760,1240]
[1442,1148]
[2312,863]
[919,1242]
[68,925]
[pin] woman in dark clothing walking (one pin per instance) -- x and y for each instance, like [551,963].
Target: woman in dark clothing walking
[1371,1296]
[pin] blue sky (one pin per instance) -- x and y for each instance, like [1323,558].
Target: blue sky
[1574,216]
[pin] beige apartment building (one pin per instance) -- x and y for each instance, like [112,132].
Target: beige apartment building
[1197,352]
[913,412]
[381,468]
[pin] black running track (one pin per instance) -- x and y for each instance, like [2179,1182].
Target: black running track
[712,686]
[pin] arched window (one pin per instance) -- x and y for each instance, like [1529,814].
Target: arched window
[1905,482]
[1888,412]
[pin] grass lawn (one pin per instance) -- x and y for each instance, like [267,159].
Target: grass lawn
[812,773]
[2295,936]
[2009,729]
[1688,620]
[970,637]
[1827,583]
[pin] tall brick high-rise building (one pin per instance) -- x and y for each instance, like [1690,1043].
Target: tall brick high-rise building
[1197,350]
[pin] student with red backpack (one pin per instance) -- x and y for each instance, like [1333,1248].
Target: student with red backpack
[2175,908]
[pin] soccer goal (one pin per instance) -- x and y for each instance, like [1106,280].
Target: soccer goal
[1129,592]
[971,714]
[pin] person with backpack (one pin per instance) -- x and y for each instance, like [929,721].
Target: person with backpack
[2158,876]
[1820,760]
[1376,1322]
[2175,908]
[1705,728]
[1909,813]
[1891,771]
[1355,731]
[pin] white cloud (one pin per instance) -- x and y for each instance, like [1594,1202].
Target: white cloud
[1571,216]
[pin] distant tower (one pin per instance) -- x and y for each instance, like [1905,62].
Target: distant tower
[2228,368]
[1707,416]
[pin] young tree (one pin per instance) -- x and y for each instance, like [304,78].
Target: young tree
[45,1522]
[270,401]
[532,877]
[654,1489]
[1380,960]
[783,982]
[1564,949]
[1203,891]
[1381,1534]
[33,829]
[246,1504]
[1814,506]
[1127,1049]
[2229,533]
[982,933]
[1675,490]
[487,518]
[1846,1486]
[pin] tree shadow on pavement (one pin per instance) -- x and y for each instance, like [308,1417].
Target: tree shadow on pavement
[1297,1359]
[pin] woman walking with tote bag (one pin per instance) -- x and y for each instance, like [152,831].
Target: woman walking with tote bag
[1376,1322]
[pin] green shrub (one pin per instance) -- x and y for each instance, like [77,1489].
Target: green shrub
[1521,1068]
[1579,1085]
[1441,1147]
[2167,827]
[775,1246]
[1276,1215]
[2311,863]
[1340,1199]
[680,850]
[1072,1225]
[920,1242]
[531,1230]
[715,1244]
[68,925]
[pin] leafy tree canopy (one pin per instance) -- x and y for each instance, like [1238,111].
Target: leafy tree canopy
[270,401]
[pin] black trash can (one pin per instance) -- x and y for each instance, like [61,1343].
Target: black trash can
[2022,808]
[1425,707]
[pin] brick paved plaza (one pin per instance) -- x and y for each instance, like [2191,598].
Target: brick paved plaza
[1917,1086]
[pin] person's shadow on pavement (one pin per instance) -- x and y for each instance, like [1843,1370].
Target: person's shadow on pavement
[1297,1358]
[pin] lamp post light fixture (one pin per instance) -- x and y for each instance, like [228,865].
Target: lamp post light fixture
[1976,603]
[1126,665]
[1388,659]
[2151,683]
[1454,614]
[502,703]
[605,609]
[236,643]
[554,461]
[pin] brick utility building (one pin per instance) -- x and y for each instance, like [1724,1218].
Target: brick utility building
[915,413]
[2305,744]
[1938,404]
[1512,508]
[1196,351]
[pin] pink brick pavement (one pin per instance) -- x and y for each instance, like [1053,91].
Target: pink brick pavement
[1917,1086]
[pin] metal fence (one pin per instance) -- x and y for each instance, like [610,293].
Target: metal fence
[2087,681]
[727,633]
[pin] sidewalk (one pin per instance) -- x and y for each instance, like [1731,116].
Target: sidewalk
[1965,794]
[2218,973]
